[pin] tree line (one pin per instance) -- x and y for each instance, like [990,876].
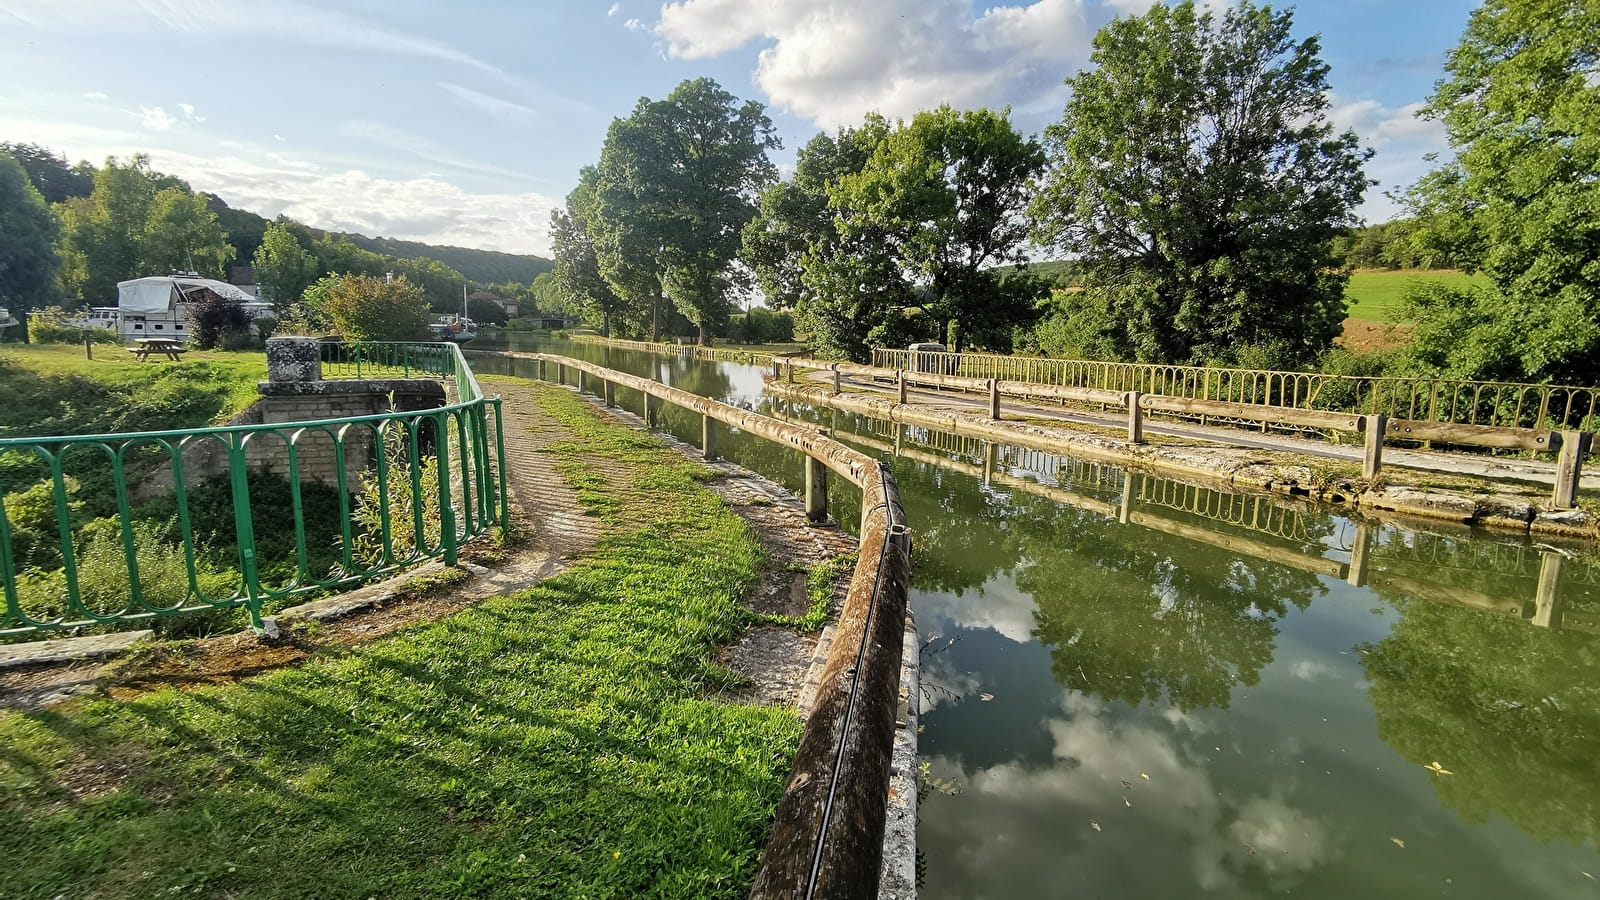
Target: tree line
[1195,189]
[72,232]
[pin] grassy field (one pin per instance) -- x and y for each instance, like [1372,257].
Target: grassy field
[562,742]
[53,389]
[1374,295]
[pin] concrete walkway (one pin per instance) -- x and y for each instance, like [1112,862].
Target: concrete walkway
[1538,471]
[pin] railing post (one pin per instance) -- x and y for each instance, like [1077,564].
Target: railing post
[561,373]
[543,375]
[1569,468]
[838,387]
[1375,426]
[652,408]
[1546,598]
[244,529]
[776,366]
[1125,508]
[990,457]
[1356,575]
[816,490]
[708,437]
[902,375]
[994,398]
[500,466]
[582,381]
[447,513]
[791,372]
[1135,417]
[610,391]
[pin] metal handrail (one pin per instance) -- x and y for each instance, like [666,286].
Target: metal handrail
[1445,400]
[387,455]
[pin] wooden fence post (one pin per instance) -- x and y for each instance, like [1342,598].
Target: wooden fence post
[994,398]
[611,393]
[816,490]
[1357,573]
[708,438]
[1546,598]
[1375,427]
[1135,417]
[1569,468]
[838,387]
[88,345]
[902,374]
[652,407]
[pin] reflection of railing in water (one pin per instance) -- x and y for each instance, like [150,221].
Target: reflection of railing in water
[1544,609]
[1255,513]
[1505,559]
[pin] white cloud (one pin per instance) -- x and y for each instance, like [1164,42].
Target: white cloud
[96,95]
[831,61]
[615,8]
[1400,138]
[423,209]
[491,106]
[635,25]
[156,119]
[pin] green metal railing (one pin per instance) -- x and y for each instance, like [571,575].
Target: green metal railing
[1494,403]
[410,485]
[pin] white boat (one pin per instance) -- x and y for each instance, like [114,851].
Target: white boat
[108,317]
[158,306]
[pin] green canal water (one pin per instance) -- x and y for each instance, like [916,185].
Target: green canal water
[1134,688]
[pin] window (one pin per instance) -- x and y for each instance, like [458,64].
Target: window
[139,326]
[161,327]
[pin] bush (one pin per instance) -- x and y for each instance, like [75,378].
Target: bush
[365,308]
[403,505]
[215,320]
[49,326]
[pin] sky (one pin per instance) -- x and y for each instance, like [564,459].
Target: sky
[466,123]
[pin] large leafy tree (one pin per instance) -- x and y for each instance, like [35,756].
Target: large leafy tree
[678,180]
[1520,102]
[946,194]
[577,278]
[1197,174]
[183,234]
[283,268]
[846,290]
[28,259]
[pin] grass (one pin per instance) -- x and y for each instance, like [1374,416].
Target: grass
[53,389]
[1374,295]
[555,743]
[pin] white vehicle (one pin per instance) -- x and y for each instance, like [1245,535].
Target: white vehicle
[108,317]
[159,306]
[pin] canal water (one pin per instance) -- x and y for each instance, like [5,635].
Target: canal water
[1138,688]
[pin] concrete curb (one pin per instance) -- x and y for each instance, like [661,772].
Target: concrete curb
[98,646]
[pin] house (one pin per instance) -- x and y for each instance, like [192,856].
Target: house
[508,304]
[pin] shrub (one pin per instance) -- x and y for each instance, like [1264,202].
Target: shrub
[49,326]
[365,308]
[215,319]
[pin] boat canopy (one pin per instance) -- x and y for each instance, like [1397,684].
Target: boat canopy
[162,293]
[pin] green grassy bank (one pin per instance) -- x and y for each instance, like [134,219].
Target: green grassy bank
[562,742]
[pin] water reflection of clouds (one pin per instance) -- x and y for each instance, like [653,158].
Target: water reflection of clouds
[1000,605]
[1012,821]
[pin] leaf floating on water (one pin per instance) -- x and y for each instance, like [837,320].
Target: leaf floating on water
[986,696]
[1398,843]
[1437,769]
[1144,776]
[1249,849]
[1587,875]
[1127,784]
[1095,825]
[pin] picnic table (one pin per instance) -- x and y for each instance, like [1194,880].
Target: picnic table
[168,347]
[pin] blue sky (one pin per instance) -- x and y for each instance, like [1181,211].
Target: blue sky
[466,122]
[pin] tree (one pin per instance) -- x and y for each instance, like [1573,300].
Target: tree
[367,308]
[577,278]
[947,192]
[486,312]
[182,234]
[283,268]
[1197,174]
[102,232]
[28,260]
[1521,105]
[677,182]
[846,291]
[56,181]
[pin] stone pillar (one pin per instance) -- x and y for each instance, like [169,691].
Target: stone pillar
[294,360]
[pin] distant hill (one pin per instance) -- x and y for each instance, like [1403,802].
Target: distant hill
[482,266]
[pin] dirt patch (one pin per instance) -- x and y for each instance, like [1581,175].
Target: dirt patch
[1363,336]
